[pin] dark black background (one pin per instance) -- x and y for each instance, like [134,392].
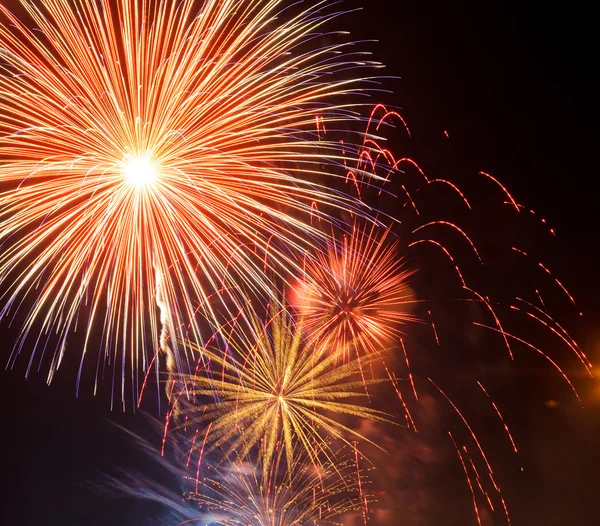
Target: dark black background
[515,85]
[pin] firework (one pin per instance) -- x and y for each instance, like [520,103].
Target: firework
[207,489]
[355,297]
[157,153]
[322,494]
[271,387]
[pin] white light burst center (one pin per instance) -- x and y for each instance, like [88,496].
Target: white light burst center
[139,171]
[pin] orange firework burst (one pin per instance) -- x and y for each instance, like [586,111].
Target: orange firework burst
[157,154]
[355,296]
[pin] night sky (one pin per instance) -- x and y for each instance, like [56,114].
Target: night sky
[515,86]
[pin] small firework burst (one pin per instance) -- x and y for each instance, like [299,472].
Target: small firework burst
[356,297]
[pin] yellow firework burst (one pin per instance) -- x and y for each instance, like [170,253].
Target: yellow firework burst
[272,388]
[157,145]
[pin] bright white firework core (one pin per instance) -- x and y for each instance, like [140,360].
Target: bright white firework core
[139,171]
